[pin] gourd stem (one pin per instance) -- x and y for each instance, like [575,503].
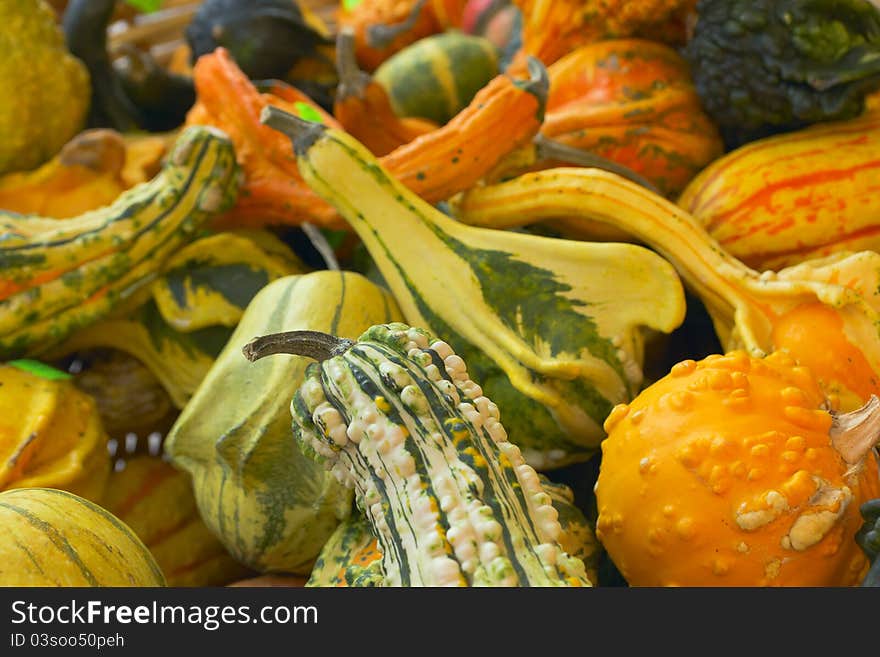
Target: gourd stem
[311,344]
[302,133]
[856,433]
[352,80]
[548,149]
[380,35]
[538,83]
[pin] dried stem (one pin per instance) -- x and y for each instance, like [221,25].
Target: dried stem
[311,344]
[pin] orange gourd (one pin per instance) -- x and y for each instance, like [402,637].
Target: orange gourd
[731,471]
[504,115]
[632,101]
[363,108]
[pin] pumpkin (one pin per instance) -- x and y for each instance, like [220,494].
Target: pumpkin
[553,341]
[632,101]
[156,501]
[51,434]
[272,507]
[363,108]
[833,301]
[395,416]
[781,200]
[55,538]
[58,276]
[731,471]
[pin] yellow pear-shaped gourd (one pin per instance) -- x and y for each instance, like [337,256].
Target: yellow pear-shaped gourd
[731,471]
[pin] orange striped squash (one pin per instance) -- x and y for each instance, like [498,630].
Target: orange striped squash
[784,199]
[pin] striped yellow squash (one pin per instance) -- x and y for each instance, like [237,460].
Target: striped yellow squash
[52,537]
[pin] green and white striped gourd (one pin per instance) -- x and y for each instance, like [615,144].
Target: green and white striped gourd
[553,329]
[60,275]
[451,500]
[350,557]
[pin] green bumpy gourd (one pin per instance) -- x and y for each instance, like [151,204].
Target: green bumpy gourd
[452,502]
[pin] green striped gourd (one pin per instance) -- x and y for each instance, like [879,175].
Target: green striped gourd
[192,308]
[451,501]
[271,506]
[52,537]
[553,329]
[437,76]
[60,275]
[350,556]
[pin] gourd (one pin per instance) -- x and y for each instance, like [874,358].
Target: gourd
[384,27]
[51,434]
[395,416]
[351,556]
[59,276]
[780,200]
[435,166]
[832,301]
[55,538]
[363,109]
[633,102]
[731,471]
[437,76]
[272,507]
[552,30]
[265,37]
[540,322]
[156,501]
[192,308]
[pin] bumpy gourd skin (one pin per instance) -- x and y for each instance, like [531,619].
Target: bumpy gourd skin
[47,89]
[726,473]
[763,67]
[451,501]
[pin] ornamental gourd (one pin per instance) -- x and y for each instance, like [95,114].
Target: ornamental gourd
[55,538]
[395,416]
[552,328]
[351,556]
[51,434]
[731,471]
[832,301]
[781,200]
[58,276]
[156,501]
[271,507]
[632,101]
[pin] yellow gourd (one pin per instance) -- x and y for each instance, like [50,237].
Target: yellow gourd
[731,471]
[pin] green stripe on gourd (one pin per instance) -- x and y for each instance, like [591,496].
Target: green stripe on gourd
[437,76]
[554,329]
[272,507]
[395,416]
[62,275]
[55,538]
[350,557]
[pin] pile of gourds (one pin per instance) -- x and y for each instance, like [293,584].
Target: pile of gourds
[443,292]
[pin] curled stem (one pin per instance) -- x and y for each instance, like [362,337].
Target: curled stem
[311,344]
